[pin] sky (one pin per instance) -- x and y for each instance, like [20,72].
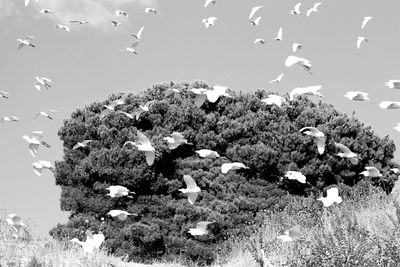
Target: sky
[86,65]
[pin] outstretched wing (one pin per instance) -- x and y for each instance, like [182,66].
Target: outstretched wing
[343,148]
[189,181]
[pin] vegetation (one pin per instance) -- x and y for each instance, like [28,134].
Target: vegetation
[243,129]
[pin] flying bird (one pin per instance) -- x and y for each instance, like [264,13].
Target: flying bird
[201,228]
[393,84]
[296,9]
[150,10]
[120,214]
[294,175]
[92,243]
[175,140]
[365,21]
[279,35]
[207,153]
[191,190]
[84,143]
[226,167]
[296,47]
[313,9]
[143,144]
[371,172]
[38,166]
[360,40]
[291,235]
[332,196]
[210,21]
[42,82]
[80,22]
[357,96]
[115,23]
[138,35]
[259,41]
[118,191]
[9,119]
[143,108]
[274,100]
[63,27]
[305,63]
[121,12]
[45,114]
[347,153]
[278,79]
[46,11]
[254,10]
[207,2]
[132,48]
[256,21]
[309,90]
[25,42]
[389,104]
[4,94]
[34,142]
[317,135]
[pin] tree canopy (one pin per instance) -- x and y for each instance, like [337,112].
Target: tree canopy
[241,128]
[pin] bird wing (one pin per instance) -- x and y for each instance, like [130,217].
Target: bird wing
[297,7]
[189,181]
[342,147]
[129,143]
[33,148]
[207,3]
[309,11]
[320,142]
[150,156]
[27,2]
[139,33]
[38,135]
[20,46]
[226,167]
[294,232]
[141,138]
[192,197]
[199,100]
[254,10]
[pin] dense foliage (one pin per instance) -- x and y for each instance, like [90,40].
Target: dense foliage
[242,129]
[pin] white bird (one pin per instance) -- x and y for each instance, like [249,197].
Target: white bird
[80,21]
[129,115]
[115,23]
[296,9]
[347,153]
[63,27]
[35,141]
[317,135]
[313,9]
[118,191]
[121,12]
[207,153]
[291,235]
[25,42]
[256,21]
[365,21]
[120,214]
[397,127]
[132,48]
[296,47]
[279,35]
[332,196]
[200,96]
[143,144]
[226,167]
[175,140]
[210,21]
[92,243]
[138,35]
[191,190]
[4,94]
[150,10]
[357,96]
[45,113]
[42,82]
[143,108]
[389,105]
[274,100]
[395,170]
[277,79]
[305,63]
[254,10]
[207,2]
[39,165]
[309,90]
[201,229]
[84,143]
[27,2]
[9,118]
[393,84]
[46,11]
[294,175]
[259,41]
[371,172]
[360,40]
[216,92]
[111,107]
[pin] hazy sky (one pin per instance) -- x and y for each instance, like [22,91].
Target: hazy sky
[86,65]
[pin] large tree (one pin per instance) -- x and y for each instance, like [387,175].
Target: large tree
[241,128]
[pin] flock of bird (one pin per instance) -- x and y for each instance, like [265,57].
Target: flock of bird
[176,139]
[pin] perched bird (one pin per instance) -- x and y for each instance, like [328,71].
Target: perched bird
[207,153]
[313,9]
[256,21]
[120,214]
[45,114]
[360,40]
[397,127]
[121,12]
[111,107]
[291,235]
[317,135]
[46,11]
[294,175]
[210,21]
[25,42]
[150,10]
[84,143]
[38,166]
[143,144]
[274,100]
[347,153]
[191,190]
[4,94]
[389,105]
[175,140]
[279,35]
[63,27]
[80,21]
[201,228]
[35,141]
[393,84]
[357,96]
[115,23]
[296,9]
[92,243]
[226,167]
[254,10]
[143,108]
[132,48]
[365,21]
[138,35]
[296,47]
[309,90]
[371,172]
[118,191]
[207,2]
[259,41]
[305,63]
[332,196]
[42,82]
[278,79]
[9,119]
[27,2]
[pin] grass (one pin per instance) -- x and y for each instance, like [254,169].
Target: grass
[361,231]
